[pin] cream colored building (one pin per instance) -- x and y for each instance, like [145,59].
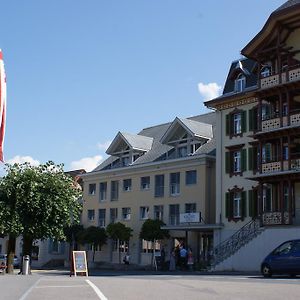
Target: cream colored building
[258,143]
[164,172]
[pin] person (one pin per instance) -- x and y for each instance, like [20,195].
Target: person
[126,259]
[190,259]
[163,257]
[183,257]
[172,265]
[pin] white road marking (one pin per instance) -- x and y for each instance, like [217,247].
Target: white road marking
[96,290]
[60,286]
[30,289]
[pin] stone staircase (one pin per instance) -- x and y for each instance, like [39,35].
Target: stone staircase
[240,238]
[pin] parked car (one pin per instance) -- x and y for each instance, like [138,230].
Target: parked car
[3,258]
[285,259]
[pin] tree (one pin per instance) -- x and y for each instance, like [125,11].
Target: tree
[37,202]
[119,232]
[151,231]
[72,234]
[94,236]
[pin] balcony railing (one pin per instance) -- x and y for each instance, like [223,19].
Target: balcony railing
[274,122]
[276,218]
[273,80]
[271,167]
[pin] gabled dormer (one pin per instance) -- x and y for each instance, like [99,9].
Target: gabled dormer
[186,136]
[128,147]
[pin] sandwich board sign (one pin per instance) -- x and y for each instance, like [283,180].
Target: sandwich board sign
[79,262]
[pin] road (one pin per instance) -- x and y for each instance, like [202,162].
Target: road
[114,286]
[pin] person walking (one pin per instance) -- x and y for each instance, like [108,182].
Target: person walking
[183,258]
[172,265]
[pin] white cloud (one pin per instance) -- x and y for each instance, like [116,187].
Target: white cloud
[209,91]
[103,146]
[87,163]
[22,159]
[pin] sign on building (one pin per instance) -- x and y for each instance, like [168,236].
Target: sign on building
[190,217]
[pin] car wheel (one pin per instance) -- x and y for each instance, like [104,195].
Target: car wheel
[266,271]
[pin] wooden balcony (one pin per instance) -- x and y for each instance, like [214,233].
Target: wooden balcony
[275,167]
[271,167]
[273,80]
[276,218]
[274,123]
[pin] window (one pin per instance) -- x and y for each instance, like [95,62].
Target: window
[144,212]
[126,213]
[191,177]
[145,183]
[236,160]
[91,215]
[103,191]
[236,123]
[102,218]
[123,246]
[267,198]
[127,185]
[56,247]
[174,214]
[235,205]
[114,190]
[286,205]
[182,151]
[285,152]
[92,189]
[240,83]
[190,208]
[159,185]
[125,161]
[158,212]
[147,246]
[113,215]
[265,72]
[195,147]
[174,184]
[267,153]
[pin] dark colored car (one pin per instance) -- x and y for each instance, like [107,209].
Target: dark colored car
[285,259]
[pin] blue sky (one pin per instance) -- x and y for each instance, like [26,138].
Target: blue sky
[80,71]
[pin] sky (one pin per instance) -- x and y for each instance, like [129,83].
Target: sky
[79,71]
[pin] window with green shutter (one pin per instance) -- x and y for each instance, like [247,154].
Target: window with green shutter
[243,205]
[235,204]
[236,123]
[253,119]
[252,203]
[227,163]
[244,121]
[244,159]
[228,206]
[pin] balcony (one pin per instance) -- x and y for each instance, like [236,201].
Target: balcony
[273,80]
[276,218]
[273,123]
[275,167]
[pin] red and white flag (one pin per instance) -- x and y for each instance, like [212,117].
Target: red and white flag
[2,105]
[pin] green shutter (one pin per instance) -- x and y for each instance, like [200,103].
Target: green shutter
[244,121]
[243,205]
[227,205]
[250,203]
[244,159]
[228,123]
[251,120]
[255,119]
[227,162]
[250,158]
[255,203]
[255,157]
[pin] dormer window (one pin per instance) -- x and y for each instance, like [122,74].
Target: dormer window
[240,83]
[265,72]
[125,161]
[182,151]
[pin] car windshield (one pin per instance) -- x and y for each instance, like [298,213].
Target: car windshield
[283,249]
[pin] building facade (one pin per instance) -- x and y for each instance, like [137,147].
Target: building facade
[165,172]
[258,119]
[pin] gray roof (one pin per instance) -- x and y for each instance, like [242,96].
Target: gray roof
[133,141]
[158,150]
[287,4]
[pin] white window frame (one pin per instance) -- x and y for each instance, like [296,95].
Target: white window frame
[237,123]
[237,199]
[240,83]
[236,161]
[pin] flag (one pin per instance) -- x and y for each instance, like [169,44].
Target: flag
[2,105]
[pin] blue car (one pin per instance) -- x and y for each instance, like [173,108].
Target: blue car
[285,259]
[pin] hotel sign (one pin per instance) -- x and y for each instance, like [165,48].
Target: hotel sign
[190,218]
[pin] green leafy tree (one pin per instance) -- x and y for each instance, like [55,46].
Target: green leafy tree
[72,234]
[151,231]
[37,202]
[119,232]
[94,236]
